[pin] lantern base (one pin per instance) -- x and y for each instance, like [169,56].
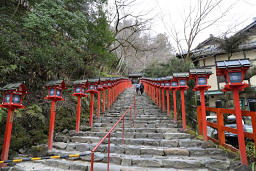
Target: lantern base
[55,98]
[182,87]
[12,106]
[100,89]
[92,91]
[79,95]
[200,87]
[239,86]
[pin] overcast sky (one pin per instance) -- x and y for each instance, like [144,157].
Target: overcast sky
[166,13]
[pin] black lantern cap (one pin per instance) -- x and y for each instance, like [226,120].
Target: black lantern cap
[56,83]
[79,82]
[203,71]
[168,78]
[104,79]
[14,86]
[181,75]
[93,80]
[233,63]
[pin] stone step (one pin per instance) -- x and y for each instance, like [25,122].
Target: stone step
[127,129]
[64,165]
[176,162]
[114,119]
[137,125]
[138,149]
[139,117]
[141,141]
[135,135]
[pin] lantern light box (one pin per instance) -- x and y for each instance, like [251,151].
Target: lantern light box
[13,95]
[201,77]
[55,89]
[102,84]
[79,88]
[174,84]
[162,80]
[167,81]
[233,71]
[92,85]
[181,78]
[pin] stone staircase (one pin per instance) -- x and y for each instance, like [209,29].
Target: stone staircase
[153,142]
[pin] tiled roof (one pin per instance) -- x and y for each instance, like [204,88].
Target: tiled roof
[12,86]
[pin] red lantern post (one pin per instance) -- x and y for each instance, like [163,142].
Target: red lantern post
[159,93]
[155,91]
[167,87]
[201,76]
[79,92]
[105,87]
[182,86]
[12,99]
[174,88]
[109,92]
[92,89]
[99,88]
[162,88]
[54,94]
[233,71]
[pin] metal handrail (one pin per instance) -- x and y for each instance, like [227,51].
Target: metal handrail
[109,132]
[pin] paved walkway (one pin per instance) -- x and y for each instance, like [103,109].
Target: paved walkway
[153,143]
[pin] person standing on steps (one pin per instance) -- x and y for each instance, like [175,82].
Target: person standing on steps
[137,88]
[141,88]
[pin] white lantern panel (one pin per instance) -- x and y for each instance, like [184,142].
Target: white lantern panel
[182,82]
[235,77]
[7,98]
[202,81]
[52,92]
[58,92]
[78,89]
[16,99]
[174,84]
[91,87]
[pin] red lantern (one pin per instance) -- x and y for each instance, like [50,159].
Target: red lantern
[181,79]
[104,86]
[79,92]
[12,99]
[233,71]
[201,77]
[55,94]
[167,85]
[92,89]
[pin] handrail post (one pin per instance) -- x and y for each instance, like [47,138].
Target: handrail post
[220,122]
[92,160]
[108,149]
[253,119]
[199,120]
